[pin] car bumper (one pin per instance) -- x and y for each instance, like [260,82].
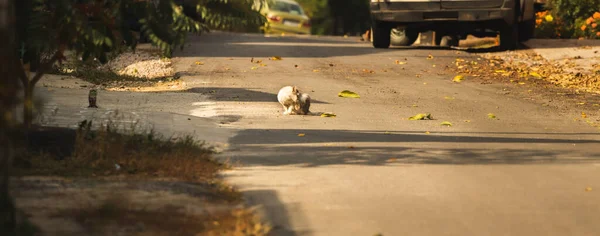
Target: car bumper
[278,28]
[421,12]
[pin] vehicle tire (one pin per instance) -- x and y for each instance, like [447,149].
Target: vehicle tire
[403,37]
[526,30]
[381,35]
[509,37]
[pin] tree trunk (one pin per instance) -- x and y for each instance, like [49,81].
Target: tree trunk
[8,101]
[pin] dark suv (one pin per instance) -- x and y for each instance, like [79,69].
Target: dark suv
[400,21]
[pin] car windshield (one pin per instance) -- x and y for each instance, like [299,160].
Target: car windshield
[287,7]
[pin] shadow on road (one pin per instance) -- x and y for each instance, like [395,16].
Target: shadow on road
[238,94]
[276,212]
[329,147]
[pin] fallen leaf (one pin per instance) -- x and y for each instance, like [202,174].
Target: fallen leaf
[296,66]
[458,78]
[521,83]
[328,115]
[252,60]
[315,70]
[596,105]
[467,121]
[429,57]
[348,94]
[425,83]
[421,116]
[275,58]
[331,64]
[446,123]
[199,63]
[254,68]
[351,147]
[301,135]
[581,103]
[400,62]
[491,116]
[415,105]
[583,115]
[588,189]
[258,61]
[449,98]
[261,64]
[427,132]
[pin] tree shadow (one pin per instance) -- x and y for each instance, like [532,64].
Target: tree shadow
[238,94]
[331,147]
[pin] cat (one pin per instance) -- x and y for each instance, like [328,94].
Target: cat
[293,101]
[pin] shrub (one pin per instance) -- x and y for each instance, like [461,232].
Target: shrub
[569,19]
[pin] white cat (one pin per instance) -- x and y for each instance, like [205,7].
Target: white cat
[293,101]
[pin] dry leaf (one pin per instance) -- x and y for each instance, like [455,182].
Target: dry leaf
[301,135]
[583,115]
[199,63]
[315,70]
[535,74]
[458,78]
[427,132]
[429,57]
[351,147]
[588,189]
[254,68]
[449,98]
[491,116]
[328,115]
[446,123]
[421,116]
[467,121]
[348,94]
[275,58]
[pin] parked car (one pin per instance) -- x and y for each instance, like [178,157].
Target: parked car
[399,22]
[285,16]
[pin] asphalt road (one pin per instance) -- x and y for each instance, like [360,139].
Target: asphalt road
[370,169]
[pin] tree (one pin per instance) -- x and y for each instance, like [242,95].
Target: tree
[94,28]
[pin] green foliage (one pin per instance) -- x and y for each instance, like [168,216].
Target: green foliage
[92,28]
[569,17]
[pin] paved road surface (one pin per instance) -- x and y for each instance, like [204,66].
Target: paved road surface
[370,170]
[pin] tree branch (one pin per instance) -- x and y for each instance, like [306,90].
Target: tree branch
[45,67]
[21,72]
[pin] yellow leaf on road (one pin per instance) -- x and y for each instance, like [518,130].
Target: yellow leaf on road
[199,63]
[315,70]
[458,78]
[400,62]
[429,57]
[491,116]
[301,135]
[427,132]
[275,58]
[421,116]
[328,115]
[588,189]
[348,94]
[583,115]
[254,68]
[448,98]
[446,123]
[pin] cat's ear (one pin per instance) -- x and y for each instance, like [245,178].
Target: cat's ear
[294,89]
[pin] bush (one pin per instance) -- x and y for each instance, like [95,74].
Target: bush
[569,19]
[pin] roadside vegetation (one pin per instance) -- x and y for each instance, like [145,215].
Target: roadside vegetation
[42,33]
[569,19]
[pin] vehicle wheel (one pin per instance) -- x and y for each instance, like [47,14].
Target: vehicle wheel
[404,37]
[526,30]
[381,35]
[509,37]
[446,40]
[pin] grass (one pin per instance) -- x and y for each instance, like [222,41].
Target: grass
[111,152]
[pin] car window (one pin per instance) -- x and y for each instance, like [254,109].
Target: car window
[286,7]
